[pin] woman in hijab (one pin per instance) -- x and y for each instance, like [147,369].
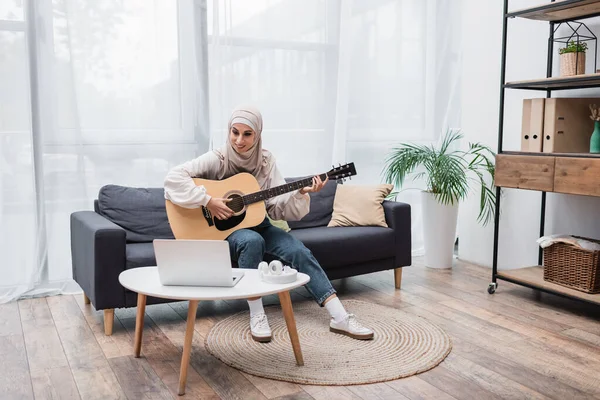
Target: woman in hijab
[243,152]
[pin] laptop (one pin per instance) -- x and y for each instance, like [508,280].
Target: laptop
[195,263]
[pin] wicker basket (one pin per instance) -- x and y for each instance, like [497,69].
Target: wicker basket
[573,267]
[569,62]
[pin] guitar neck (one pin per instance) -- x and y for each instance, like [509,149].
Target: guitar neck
[279,190]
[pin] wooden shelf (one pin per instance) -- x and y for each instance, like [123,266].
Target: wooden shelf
[533,154]
[534,278]
[549,173]
[559,11]
[557,83]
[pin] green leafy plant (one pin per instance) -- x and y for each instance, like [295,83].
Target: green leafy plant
[449,173]
[595,112]
[574,47]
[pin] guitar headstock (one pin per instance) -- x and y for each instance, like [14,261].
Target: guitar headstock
[342,172]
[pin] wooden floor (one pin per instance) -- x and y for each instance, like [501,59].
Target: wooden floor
[515,344]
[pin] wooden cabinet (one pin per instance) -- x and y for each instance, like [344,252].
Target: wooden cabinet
[525,172]
[560,174]
[577,176]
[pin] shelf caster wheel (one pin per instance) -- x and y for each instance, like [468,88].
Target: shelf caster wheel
[492,288]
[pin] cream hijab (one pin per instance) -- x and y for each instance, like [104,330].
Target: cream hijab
[254,161]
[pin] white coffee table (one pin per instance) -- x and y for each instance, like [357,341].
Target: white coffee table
[145,282]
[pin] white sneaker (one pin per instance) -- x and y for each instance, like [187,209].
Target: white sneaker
[350,326]
[259,326]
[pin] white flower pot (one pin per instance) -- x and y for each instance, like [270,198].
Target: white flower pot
[439,231]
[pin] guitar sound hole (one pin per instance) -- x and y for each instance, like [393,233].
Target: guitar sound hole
[236,204]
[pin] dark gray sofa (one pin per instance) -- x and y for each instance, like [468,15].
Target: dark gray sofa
[118,235]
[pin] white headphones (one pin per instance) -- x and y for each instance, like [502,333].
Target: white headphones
[276,272]
[275,267]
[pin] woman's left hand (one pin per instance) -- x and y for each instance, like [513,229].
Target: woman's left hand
[316,186]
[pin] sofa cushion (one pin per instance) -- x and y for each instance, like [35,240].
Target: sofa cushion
[139,255]
[336,247]
[321,206]
[140,211]
[360,205]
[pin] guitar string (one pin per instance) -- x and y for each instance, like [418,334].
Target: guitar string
[239,201]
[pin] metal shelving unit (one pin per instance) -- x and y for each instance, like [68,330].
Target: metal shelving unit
[559,11]
[554,12]
[558,83]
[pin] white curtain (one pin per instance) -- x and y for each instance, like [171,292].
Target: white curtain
[119,91]
[92,93]
[338,80]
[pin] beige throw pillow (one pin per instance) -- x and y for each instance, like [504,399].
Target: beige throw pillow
[357,205]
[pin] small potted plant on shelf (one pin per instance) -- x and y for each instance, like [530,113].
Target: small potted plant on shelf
[449,174]
[572,58]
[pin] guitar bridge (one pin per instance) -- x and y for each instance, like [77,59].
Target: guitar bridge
[207,216]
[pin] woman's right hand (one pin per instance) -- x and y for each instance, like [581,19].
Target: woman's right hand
[218,208]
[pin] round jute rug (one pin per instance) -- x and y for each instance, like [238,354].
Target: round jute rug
[404,345]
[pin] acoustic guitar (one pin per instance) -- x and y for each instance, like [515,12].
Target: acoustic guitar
[247,203]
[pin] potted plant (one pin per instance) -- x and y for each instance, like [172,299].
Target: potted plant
[449,174]
[572,58]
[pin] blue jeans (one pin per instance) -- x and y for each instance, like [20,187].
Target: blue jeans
[249,247]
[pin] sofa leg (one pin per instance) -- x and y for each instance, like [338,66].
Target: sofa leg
[398,277]
[86,300]
[109,318]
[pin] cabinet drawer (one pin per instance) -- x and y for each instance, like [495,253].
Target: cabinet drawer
[525,172]
[577,176]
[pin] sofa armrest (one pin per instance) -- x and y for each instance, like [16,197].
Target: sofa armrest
[397,217]
[98,257]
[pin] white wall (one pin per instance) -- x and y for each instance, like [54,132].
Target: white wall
[526,59]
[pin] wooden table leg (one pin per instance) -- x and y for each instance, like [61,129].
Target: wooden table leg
[187,345]
[290,321]
[139,324]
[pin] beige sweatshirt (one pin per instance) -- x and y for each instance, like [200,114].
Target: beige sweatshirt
[181,189]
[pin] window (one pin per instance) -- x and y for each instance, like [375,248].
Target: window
[17,190]
[123,69]
[280,55]
[16,183]
[116,83]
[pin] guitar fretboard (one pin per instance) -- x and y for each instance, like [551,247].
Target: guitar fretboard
[278,190]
